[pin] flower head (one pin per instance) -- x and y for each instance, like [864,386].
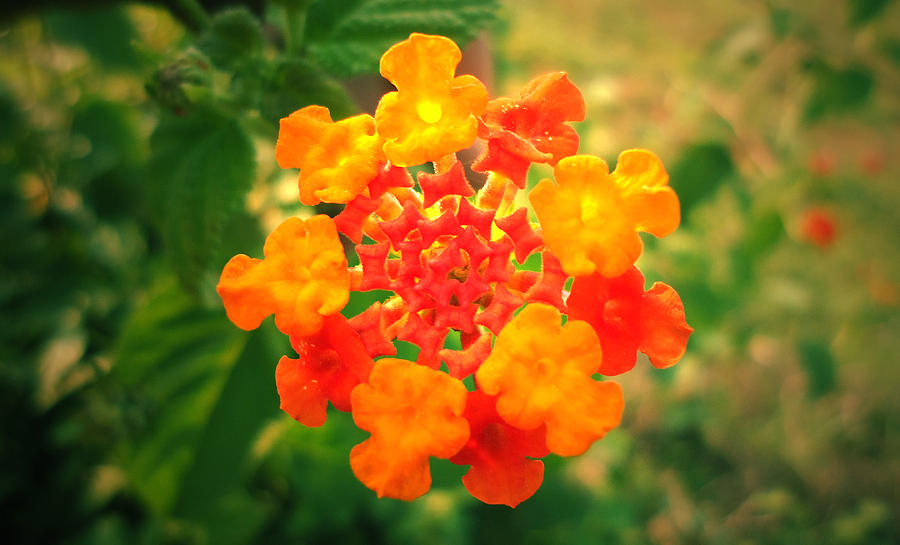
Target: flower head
[432,113]
[453,269]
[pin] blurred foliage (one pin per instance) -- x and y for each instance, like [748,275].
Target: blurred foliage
[348,37]
[137,155]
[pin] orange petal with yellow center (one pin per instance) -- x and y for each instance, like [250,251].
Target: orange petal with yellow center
[591,218]
[336,160]
[302,278]
[433,113]
[543,374]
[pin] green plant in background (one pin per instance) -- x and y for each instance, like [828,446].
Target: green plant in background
[128,152]
[777,120]
[128,401]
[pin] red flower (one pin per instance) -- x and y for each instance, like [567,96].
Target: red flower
[819,227]
[331,364]
[628,319]
[531,129]
[503,469]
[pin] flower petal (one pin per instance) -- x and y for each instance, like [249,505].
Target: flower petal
[628,319]
[413,412]
[303,277]
[531,129]
[665,332]
[336,160]
[543,373]
[649,199]
[612,306]
[503,471]
[590,218]
[432,113]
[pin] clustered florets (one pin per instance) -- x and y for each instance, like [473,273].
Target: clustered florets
[446,252]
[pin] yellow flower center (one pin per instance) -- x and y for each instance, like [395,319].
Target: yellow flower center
[429,112]
[590,209]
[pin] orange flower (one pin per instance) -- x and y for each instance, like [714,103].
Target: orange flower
[413,412]
[336,160]
[591,218]
[303,277]
[432,113]
[543,372]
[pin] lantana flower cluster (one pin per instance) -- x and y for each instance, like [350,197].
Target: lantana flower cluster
[539,348]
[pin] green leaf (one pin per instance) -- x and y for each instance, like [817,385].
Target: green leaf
[12,122]
[202,166]
[860,12]
[819,366]
[248,399]
[111,128]
[106,34]
[763,232]
[210,490]
[206,389]
[698,173]
[348,37]
[297,83]
[234,34]
[173,358]
[838,90]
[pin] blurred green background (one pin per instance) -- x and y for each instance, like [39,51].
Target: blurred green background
[137,155]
